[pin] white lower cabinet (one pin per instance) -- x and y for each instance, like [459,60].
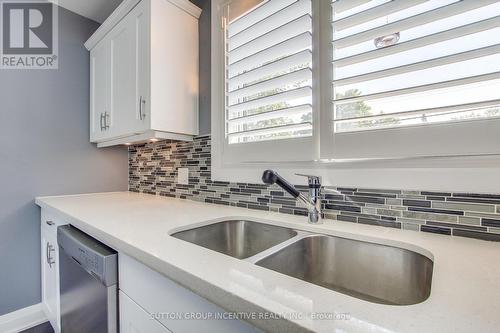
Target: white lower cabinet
[176,308]
[133,319]
[49,277]
[149,302]
[50,269]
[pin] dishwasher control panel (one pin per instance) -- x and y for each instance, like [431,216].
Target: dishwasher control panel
[94,257]
[89,260]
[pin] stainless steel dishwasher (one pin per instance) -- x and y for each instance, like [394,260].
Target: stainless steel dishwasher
[88,283]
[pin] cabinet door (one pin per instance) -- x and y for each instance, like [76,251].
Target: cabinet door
[50,292]
[128,70]
[100,112]
[140,21]
[133,319]
[123,78]
[157,294]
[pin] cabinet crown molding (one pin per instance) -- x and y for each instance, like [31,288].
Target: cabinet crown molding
[124,8]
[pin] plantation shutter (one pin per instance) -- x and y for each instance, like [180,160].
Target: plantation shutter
[268,72]
[415,77]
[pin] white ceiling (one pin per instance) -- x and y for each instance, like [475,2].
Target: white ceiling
[97,10]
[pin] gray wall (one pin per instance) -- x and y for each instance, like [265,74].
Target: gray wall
[44,133]
[205,65]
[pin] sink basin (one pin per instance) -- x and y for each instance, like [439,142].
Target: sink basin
[372,272]
[238,238]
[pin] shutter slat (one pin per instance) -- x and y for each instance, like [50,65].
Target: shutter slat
[271,38]
[469,93]
[425,87]
[340,6]
[426,64]
[279,97]
[280,82]
[258,13]
[418,119]
[411,22]
[287,47]
[282,65]
[269,23]
[293,111]
[274,129]
[465,30]
[374,13]
[449,108]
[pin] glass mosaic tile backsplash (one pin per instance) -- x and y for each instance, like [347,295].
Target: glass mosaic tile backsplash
[153,169]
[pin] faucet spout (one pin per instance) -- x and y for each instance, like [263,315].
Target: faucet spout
[312,203]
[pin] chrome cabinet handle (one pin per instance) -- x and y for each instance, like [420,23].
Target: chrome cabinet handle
[50,260]
[49,222]
[142,114]
[104,121]
[47,253]
[140,107]
[106,118]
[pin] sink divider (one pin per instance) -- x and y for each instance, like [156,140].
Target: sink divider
[266,253]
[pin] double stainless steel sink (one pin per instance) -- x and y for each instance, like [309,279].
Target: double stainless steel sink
[373,272]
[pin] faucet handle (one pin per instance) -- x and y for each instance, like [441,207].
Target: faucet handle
[314,181]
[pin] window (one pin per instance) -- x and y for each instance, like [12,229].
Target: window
[413,63]
[303,80]
[268,72]
[265,58]
[401,65]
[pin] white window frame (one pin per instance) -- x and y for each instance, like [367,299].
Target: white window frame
[284,150]
[391,165]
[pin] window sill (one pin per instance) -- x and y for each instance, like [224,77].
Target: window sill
[471,173]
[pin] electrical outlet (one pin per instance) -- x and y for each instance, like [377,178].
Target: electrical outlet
[183,176]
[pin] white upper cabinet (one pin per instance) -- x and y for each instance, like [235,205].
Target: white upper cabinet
[144,73]
[123,78]
[99,91]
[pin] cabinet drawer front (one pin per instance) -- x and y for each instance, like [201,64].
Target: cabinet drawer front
[133,319]
[165,299]
[50,222]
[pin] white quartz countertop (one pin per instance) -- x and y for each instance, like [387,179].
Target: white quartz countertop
[465,295]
